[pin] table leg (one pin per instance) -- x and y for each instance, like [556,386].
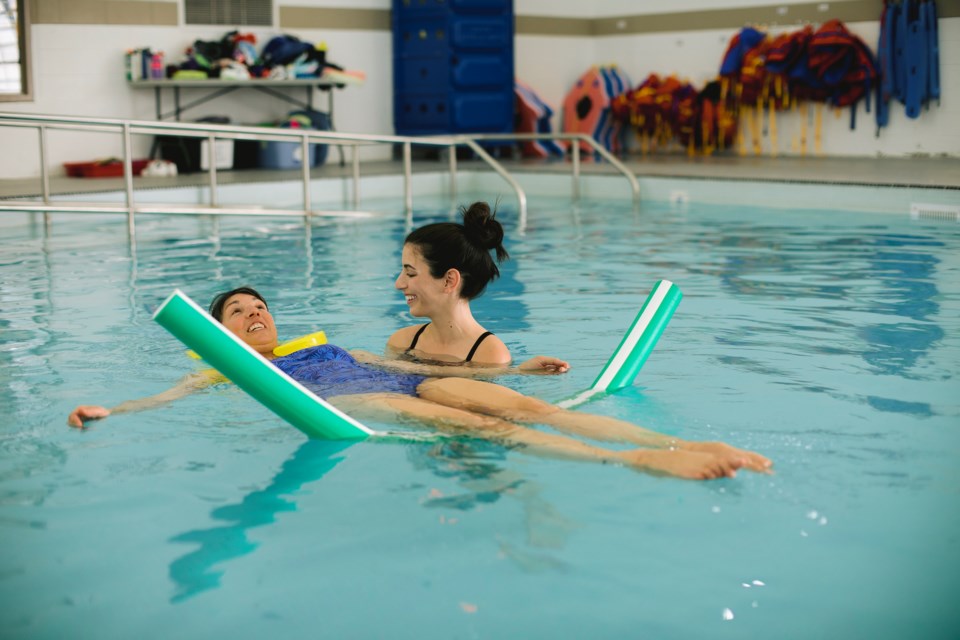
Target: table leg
[332,126]
[158,105]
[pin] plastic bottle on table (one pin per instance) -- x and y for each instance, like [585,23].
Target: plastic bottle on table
[156,66]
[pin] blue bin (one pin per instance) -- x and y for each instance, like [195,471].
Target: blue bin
[284,155]
[275,154]
[320,121]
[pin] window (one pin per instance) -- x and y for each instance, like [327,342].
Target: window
[14,67]
[232,12]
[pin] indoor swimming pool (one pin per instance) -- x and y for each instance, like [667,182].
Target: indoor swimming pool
[828,341]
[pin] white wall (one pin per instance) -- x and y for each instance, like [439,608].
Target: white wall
[78,70]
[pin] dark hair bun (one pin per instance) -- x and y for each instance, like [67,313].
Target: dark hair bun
[465,247]
[482,229]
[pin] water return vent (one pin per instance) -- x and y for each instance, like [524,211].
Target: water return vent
[949,212]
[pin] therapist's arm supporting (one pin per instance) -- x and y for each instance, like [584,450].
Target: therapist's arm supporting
[536,365]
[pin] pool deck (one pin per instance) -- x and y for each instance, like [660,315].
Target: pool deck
[926,172]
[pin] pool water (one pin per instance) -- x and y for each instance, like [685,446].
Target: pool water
[829,342]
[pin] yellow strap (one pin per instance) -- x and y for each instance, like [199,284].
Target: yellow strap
[285,349]
[311,340]
[772,115]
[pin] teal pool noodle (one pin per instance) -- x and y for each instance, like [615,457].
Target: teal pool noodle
[633,351]
[253,373]
[635,347]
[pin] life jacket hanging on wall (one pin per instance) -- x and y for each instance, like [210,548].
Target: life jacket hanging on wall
[843,64]
[612,133]
[585,106]
[533,116]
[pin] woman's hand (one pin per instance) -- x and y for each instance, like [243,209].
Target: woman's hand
[86,412]
[544,364]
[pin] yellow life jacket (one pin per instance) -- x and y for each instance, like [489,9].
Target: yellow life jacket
[285,349]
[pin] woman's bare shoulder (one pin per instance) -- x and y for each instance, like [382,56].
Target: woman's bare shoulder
[492,351]
[402,338]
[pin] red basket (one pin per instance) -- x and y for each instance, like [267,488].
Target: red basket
[102,168]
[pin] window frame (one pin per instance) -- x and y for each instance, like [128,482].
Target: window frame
[23,41]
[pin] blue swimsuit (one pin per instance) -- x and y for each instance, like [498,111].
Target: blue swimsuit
[327,370]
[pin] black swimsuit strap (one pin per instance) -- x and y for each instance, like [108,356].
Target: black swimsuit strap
[477,344]
[417,337]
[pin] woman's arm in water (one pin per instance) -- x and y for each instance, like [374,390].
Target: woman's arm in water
[536,365]
[499,363]
[186,386]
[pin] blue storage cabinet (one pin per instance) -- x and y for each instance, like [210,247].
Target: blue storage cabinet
[452,66]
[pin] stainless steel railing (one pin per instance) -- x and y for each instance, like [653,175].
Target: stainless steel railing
[573,138]
[210,132]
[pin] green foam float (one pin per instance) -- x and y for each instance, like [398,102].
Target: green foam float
[253,373]
[635,347]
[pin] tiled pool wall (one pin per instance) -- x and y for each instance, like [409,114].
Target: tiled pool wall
[335,193]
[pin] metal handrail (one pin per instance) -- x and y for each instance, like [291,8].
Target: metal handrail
[482,153]
[211,132]
[575,154]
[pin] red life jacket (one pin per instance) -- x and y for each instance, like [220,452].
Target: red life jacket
[787,67]
[842,63]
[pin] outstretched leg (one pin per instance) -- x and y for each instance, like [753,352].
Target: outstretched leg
[388,406]
[496,400]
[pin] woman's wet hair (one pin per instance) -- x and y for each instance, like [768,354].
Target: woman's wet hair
[465,247]
[216,306]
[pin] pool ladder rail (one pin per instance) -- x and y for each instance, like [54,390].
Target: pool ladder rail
[211,133]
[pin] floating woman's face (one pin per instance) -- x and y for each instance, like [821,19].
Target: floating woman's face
[247,317]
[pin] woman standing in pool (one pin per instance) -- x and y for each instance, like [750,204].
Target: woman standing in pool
[444,266]
[359,384]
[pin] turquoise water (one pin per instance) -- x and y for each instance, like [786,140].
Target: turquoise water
[828,342]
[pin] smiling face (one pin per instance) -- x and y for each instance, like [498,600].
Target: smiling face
[246,316]
[422,291]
